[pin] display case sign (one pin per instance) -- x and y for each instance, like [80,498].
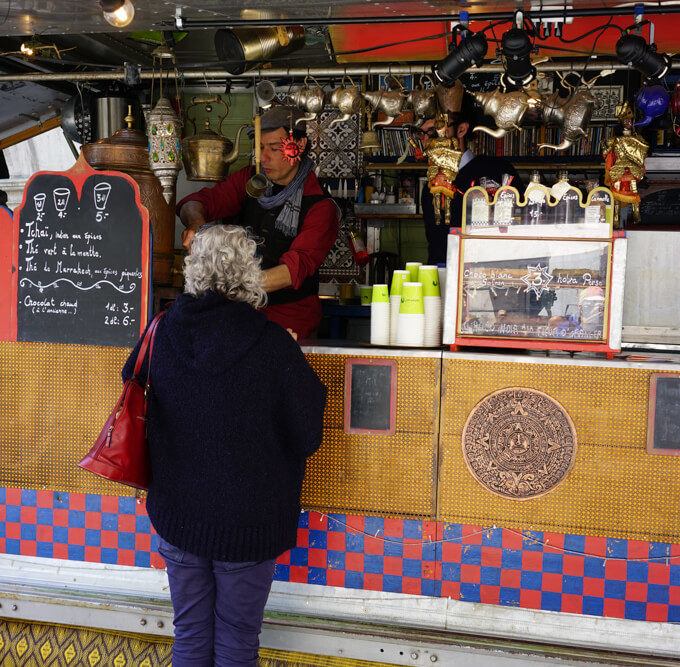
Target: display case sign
[532,288]
[81,259]
[370,396]
[663,422]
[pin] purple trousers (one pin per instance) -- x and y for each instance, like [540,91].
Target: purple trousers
[218,608]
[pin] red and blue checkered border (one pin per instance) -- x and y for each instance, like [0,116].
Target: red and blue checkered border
[619,578]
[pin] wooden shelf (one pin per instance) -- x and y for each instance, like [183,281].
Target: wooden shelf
[521,164]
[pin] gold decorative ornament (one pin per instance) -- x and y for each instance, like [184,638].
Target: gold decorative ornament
[625,163]
[443,155]
[519,443]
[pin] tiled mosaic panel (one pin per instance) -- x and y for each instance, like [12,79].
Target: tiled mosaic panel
[620,578]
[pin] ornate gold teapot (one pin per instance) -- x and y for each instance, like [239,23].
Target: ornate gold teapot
[507,109]
[389,102]
[424,102]
[572,115]
[207,155]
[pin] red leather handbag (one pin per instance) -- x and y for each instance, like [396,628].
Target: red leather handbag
[121,452]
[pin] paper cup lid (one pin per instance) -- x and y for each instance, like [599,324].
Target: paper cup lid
[380,294]
[411,299]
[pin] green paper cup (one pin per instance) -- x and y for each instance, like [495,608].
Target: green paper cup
[429,276]
[412,299]
[365,292]
[380,294]
[412,268]
[398,278]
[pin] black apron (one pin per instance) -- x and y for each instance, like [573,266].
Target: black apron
[275,243]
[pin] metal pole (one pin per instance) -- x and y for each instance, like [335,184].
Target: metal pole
[182,23]
[281,72]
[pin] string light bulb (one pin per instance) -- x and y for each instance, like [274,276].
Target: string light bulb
[26,49]
[118,13]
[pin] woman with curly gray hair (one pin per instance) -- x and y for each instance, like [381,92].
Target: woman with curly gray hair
[234,411]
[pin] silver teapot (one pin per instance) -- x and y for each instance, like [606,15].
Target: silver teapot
[309,99]
[347,100]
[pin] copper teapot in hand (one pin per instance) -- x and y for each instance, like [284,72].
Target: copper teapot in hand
[207,155]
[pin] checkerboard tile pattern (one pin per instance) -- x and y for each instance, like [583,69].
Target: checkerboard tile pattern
[371,553]
[538,570]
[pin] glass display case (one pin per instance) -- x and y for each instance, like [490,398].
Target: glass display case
[537,272]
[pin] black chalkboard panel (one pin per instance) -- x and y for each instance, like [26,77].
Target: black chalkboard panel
[370,396]
[481,82]
[663,432]
[82,273]
[661,208]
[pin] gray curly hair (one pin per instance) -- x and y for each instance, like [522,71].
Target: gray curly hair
[223,260]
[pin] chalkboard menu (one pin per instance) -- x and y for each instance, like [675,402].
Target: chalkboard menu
[81,255]
[663,427]
[661,207]
[370,396]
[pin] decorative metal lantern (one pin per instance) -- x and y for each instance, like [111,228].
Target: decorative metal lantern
[164,130]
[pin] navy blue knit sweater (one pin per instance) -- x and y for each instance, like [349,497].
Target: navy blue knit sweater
[234,411]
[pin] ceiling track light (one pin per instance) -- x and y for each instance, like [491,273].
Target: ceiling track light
[118,13]
[516,48]
[469,52]
[633,50]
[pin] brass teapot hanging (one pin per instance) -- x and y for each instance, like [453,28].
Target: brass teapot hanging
[207,155]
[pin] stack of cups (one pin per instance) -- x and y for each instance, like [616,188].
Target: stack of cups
[411,320]
[432,305]
[366,294]
[412,268]
[399,277]
[380,316]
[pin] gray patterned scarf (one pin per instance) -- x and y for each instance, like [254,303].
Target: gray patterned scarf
[291,198]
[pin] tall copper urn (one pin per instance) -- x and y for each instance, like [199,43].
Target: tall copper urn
[127,151]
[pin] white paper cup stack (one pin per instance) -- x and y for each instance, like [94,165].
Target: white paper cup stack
[399,277]
[380,316]
[411,320]
[432,305]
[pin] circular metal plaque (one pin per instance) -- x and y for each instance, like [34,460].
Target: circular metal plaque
[519,443]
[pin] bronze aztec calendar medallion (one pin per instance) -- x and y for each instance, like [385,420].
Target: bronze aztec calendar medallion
[519,443]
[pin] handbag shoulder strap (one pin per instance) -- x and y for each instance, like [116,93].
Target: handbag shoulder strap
[146,344]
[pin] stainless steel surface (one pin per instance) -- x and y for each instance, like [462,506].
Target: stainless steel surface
[652,297]
[216,73]
[110,114]
[352,350]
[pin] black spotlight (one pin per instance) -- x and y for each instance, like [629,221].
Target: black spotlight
[633,50]
[470,52]
[516,47]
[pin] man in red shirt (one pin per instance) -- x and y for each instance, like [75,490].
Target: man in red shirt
[296,222]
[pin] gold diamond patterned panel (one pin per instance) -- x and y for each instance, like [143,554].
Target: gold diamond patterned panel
[34,644]
[615,488]
[55,399]
[375,474]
